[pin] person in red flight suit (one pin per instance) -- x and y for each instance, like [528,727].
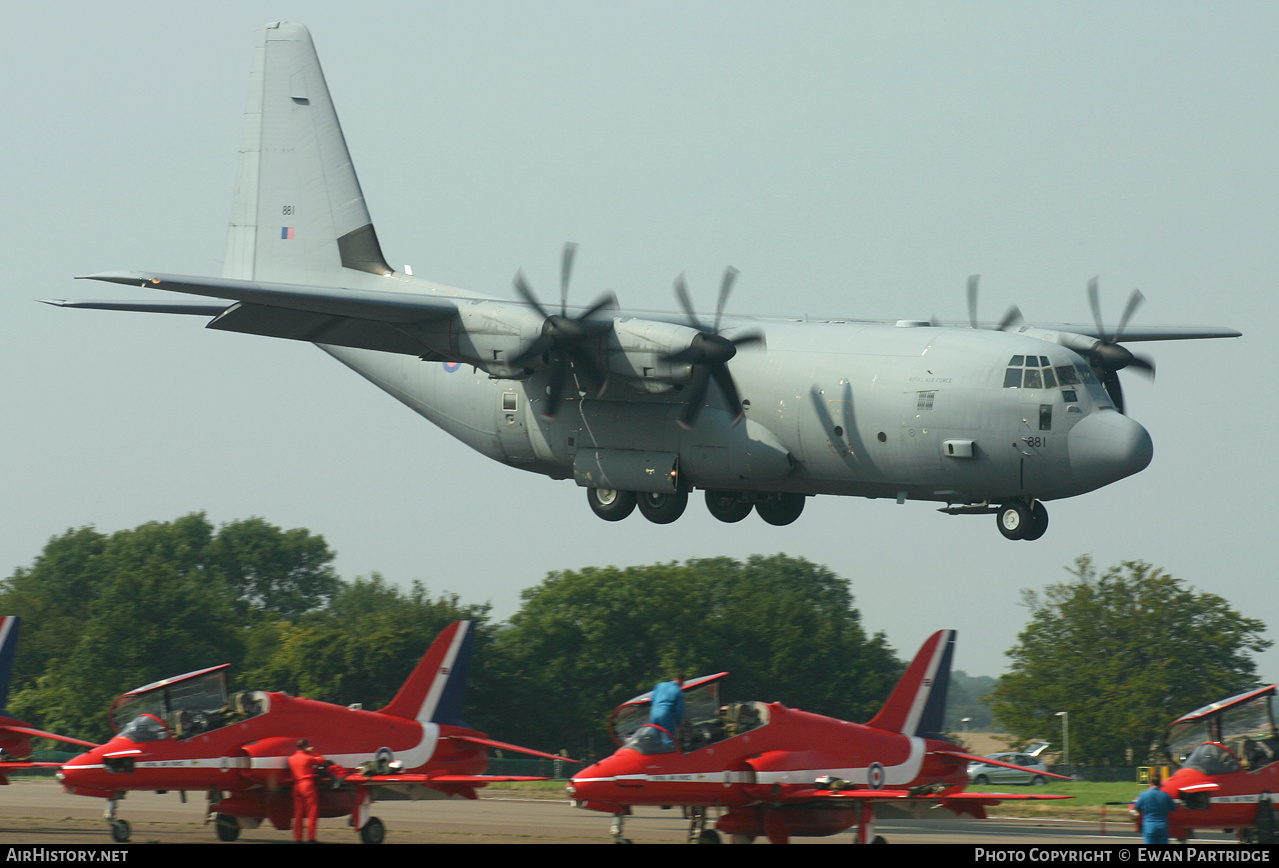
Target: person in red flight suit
[306,764]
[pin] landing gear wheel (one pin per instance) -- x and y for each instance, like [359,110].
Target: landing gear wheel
[662,508]
[727,506]
[372,832]
[880,839]
[708,836]
[611,504]
[120,831]
[1015,519]
[227,827]
[781,509]
[1038,521]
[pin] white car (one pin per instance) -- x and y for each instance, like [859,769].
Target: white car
[1034,772]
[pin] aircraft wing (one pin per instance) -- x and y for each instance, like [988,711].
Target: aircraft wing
[388,780]
[501,745]
[1154,333]
[40,733]
[972,758]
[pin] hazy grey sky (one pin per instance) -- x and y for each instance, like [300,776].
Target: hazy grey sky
[855,159]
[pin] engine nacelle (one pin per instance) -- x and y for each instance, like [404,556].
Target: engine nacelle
[636,348]
[487,334]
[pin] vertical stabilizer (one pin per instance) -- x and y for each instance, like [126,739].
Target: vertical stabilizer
[917,705]
[433,692]
[298,215]
[8,650]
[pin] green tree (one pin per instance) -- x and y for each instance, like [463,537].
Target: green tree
[361,647]
[1124,654]
[585,641]
[107,613]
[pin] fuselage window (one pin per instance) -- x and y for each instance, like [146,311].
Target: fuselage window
[1045,417]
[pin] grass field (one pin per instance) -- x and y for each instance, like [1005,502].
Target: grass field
[1089,800]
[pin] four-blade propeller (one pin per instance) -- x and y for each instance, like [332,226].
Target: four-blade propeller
[562,336]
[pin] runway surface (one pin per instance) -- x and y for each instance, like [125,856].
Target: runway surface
[38,812]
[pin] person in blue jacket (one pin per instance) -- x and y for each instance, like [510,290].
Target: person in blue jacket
[667,710]
[1155,805]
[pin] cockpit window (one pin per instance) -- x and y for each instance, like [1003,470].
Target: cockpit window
[1213,759]
[651,739]
[146,727]
[1038,372]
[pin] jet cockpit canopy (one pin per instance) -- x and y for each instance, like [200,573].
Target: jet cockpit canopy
[1239,732]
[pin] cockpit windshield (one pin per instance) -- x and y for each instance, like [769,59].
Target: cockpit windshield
[183,707]
[1240,729]
[705,721]
[1039,372]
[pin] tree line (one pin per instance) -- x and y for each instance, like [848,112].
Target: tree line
[105,613]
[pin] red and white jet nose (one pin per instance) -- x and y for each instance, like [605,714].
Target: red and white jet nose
[1106,446]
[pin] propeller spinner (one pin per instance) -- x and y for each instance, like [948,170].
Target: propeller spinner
[709,353]
[562,336]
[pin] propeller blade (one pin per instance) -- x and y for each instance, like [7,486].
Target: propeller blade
[726,385]
[524,291]
[566,272]
[697,387]
[1095,303]
[1134,302]
[1011,317]
[681,293]
[725,288]
[972,299]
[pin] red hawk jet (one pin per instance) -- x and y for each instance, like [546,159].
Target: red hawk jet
[780,772]
[191,733]
[1229,758]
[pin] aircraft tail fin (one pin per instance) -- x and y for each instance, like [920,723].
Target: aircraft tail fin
[917,705]
[434,691]
[298,214]
[8,651]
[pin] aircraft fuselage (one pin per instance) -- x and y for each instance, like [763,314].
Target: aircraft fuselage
[913,413]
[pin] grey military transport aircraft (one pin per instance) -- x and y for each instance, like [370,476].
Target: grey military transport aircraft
[758,413]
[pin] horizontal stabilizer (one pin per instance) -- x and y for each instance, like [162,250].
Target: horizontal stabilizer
[383,306]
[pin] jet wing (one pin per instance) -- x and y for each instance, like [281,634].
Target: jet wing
[40,733]
[501,745]
[388,780]
[972,758]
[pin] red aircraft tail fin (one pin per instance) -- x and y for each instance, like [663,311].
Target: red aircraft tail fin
[433,692]
[918,703]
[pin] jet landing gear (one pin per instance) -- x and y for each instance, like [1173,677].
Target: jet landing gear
[1019,519]
[120,829]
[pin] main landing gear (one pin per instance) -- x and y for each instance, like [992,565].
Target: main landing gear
[1020,519]
[778,508]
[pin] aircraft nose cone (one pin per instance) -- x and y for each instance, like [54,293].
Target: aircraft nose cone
[1106,446]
